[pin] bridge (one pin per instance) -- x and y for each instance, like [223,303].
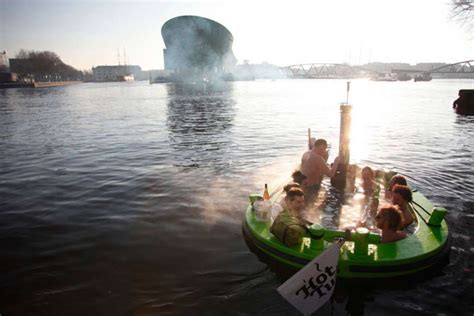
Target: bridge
[326,71]
[463,69]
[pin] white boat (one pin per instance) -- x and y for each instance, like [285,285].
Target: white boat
[383,77]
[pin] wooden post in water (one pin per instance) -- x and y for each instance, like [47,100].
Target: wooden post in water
[339,179]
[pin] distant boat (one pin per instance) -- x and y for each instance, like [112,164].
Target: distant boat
[117,78]
[160,79]
[403,77]
[122,78]
[384,77]
[423,77]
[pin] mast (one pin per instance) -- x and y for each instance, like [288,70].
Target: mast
[125,63]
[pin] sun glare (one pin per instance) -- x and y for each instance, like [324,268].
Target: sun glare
[361,115]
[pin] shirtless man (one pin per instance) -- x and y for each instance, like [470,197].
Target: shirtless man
[314,167]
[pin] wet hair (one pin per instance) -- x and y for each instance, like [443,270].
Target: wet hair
[320,141]
[404,191]
[298,177]
[397,179]
[294,192]
[393,215]
[290,185]
[368,169]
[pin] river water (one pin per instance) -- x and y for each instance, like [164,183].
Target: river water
[127,198]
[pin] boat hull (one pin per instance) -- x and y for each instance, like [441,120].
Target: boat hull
[424,249]
[464,105]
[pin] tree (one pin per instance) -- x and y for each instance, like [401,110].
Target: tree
[46,64]
[463,11]
[23,54]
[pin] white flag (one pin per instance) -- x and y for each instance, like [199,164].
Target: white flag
[312,286]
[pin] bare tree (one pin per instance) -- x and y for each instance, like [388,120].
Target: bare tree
[23,54]
[45,64]
[463,12]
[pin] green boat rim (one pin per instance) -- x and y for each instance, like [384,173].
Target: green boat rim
[429,243]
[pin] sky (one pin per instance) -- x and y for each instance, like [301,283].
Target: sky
[87,33]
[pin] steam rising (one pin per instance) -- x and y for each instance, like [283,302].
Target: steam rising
[227,199]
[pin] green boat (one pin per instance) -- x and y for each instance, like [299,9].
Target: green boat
[364,257]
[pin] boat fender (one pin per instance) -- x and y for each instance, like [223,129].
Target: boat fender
[437,216]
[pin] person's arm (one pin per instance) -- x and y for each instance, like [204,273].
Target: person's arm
[330,172]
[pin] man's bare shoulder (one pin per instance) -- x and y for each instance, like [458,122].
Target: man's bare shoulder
[319,159]
[314,157]
[306,155]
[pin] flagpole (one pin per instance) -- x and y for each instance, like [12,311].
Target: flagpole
[309,139]
[348,88]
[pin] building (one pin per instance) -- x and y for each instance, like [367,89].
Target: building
[22,66]
[116,73]
[3,61]
[197,47]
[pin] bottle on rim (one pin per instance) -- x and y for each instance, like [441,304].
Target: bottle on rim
[266,210]
[266,196]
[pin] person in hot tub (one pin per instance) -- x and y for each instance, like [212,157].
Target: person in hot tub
[396,179]
[289,227]
[314,167]
[389,220]
[401,196]
[369,185]
[287,188]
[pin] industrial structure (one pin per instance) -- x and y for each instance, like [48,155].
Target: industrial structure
[116,73]
[197,48]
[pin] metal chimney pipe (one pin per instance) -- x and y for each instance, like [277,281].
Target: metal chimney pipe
[339,179]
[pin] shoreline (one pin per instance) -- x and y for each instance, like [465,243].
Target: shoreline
[37,84]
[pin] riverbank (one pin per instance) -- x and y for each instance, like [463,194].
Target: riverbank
[37,84]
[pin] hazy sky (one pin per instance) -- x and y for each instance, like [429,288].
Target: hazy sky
[86,33]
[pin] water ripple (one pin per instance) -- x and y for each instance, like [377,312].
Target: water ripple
[128,198]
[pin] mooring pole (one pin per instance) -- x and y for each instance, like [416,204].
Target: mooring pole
[339,179]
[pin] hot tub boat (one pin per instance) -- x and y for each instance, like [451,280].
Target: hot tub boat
[364,257]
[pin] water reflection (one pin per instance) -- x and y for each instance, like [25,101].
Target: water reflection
[327,206]
[94,212]
[464,119]
[33,92]
[199,120]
